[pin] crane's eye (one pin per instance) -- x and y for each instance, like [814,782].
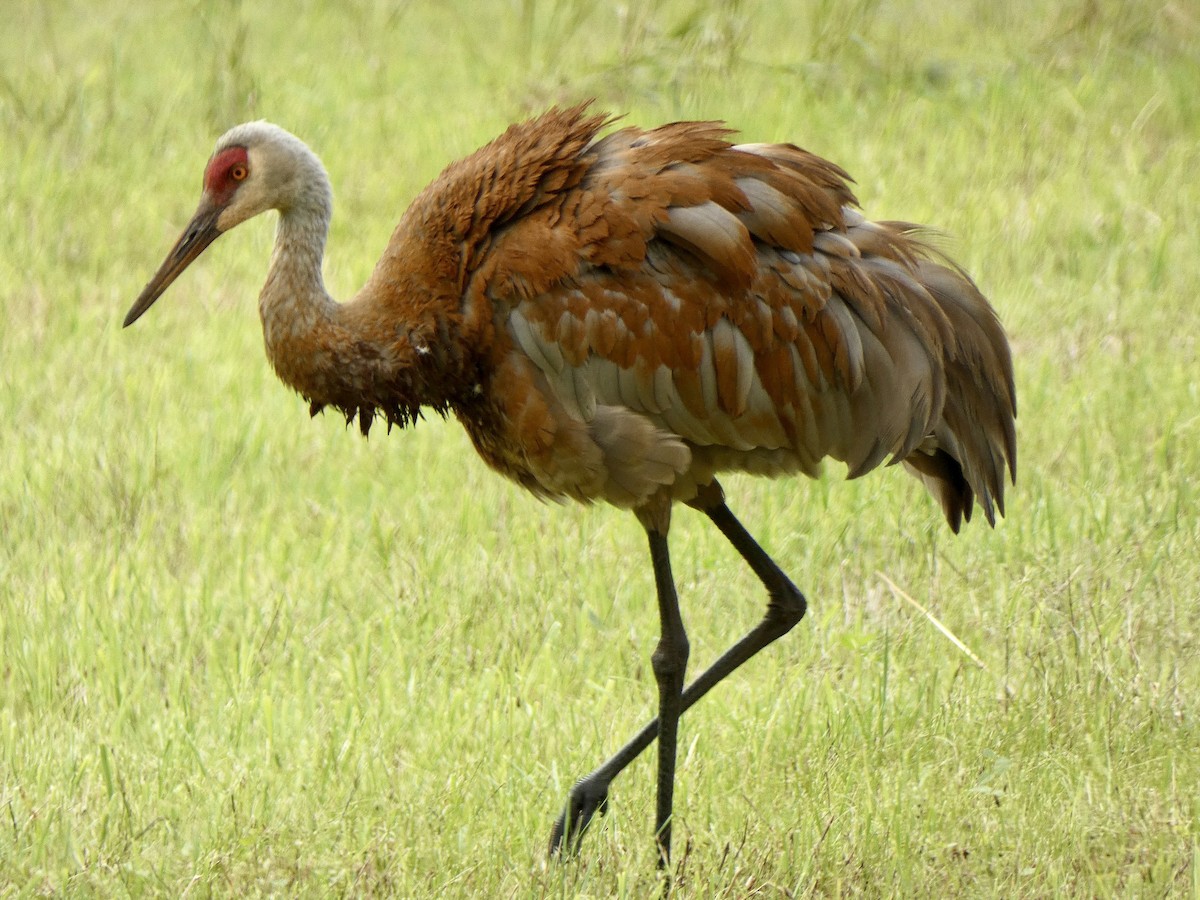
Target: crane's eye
[238,172]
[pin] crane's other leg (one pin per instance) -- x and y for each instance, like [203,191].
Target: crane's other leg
[785,607]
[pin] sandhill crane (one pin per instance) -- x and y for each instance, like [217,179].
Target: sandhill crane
[620,316]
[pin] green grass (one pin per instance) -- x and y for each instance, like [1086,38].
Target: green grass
[242,653]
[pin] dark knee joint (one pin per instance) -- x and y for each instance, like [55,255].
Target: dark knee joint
[669,660]
[786,606]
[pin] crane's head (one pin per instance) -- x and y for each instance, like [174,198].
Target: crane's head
[255,167]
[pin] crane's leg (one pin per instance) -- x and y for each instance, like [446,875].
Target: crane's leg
[669,662]
[785,607]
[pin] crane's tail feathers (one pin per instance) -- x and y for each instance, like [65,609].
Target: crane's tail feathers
[974,442]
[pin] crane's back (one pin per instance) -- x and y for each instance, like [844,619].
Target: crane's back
[645,309]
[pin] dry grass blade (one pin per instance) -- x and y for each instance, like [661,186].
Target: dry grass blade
[899,592]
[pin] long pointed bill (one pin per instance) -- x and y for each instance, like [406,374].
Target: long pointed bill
[200,232]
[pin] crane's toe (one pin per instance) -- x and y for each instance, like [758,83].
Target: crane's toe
[588,797]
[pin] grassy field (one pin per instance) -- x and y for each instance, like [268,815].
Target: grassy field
[242,653]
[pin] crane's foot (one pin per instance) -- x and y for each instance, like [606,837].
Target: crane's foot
[588,797]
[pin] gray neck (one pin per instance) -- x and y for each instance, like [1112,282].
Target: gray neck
[293,300]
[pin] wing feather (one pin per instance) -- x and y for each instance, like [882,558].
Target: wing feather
[714,306]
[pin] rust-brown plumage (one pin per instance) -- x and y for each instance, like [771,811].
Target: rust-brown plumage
[620,317]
